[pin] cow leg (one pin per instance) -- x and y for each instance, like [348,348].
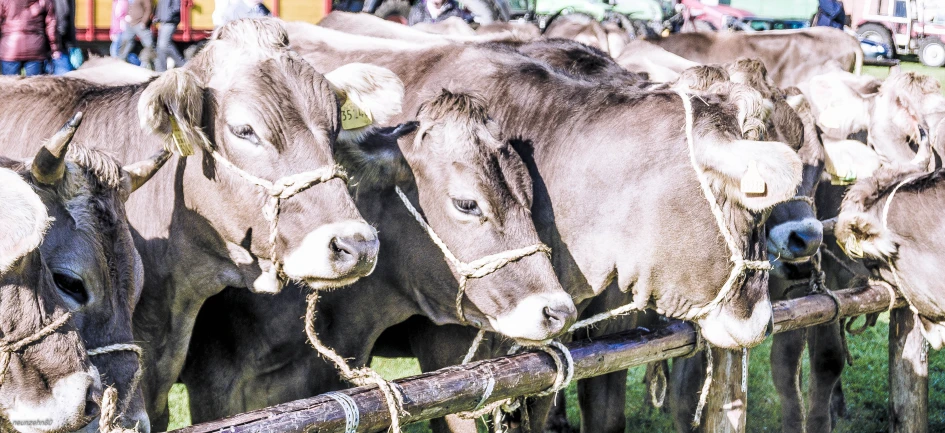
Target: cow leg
[602,400]
[838,404]
[441,346]
[826,365]
[786,350]
[685,383]
[557,420]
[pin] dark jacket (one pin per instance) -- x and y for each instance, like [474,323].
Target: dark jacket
[420,14]
[139,12]
[167,11]
[27,30]
[65,24]
[830,13]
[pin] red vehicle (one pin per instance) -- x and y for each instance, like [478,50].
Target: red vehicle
[710,15]
[907,27]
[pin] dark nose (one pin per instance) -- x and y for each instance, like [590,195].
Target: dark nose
[355,254]
[559,315]
[803,243]
[92,408]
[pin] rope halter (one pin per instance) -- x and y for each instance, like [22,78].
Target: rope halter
[477,268]
[8,348]
[281,189]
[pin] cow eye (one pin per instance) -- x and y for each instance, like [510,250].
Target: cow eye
[469,207]
[71,287]
[245,132]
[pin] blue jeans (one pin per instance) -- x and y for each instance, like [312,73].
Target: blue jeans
[31,68]
[59,66]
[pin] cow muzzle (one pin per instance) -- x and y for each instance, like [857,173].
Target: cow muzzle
[795,241]
[537,319]
[724,328]
[334,255]
[71,404]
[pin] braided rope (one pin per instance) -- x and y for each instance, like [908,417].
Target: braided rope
[359,376]
[477,268]
[281,189]
[8,348]
[704,395]
[132,387]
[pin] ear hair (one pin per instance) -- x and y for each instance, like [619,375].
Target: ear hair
[867,232]
[752,111]
[516,175]
[176,97]
[23,219]
[778,165]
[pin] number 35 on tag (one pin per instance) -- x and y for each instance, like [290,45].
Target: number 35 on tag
[353,117]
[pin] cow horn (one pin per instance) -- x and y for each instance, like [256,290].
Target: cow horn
[49,165]
[142,171]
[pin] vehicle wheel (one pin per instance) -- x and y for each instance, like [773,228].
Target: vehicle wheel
[394,10]
[485,11]
[932,52]
[877,33]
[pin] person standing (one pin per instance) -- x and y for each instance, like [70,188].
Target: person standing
[830,13]
[137,23]
[167,15]
[27,36]
[65,31]
[119,12]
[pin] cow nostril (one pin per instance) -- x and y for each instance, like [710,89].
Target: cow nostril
[797,245]
[92,408]
[339,246]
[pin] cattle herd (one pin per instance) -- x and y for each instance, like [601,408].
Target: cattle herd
[384,190]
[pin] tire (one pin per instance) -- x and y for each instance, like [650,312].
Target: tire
[932,52]
[394,10]
[877,33]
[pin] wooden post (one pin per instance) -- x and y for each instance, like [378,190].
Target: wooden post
[726,408]
[908,374]
[461,388]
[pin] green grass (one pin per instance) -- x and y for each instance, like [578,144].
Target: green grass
[865,383]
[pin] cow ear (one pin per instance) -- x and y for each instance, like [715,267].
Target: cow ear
[757,174]
[23,219]
[849,160]
[838,101]
[172,106]
[377,161]
[375,91]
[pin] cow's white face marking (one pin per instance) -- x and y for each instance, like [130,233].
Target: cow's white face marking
[316,260]
[63,410]
[721,329]
[529,320]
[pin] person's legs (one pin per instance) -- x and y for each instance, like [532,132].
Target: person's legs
[126,42]
[33,68]
[165,47]
[147,46]
[11,68]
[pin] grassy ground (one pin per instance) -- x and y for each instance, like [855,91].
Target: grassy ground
[865,383]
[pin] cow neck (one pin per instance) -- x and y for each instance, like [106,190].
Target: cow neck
[281,189]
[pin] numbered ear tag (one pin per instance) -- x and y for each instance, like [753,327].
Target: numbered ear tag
[752,182]
[353,117]
[183,147]
[847,179]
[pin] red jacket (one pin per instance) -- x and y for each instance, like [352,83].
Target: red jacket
[27,30]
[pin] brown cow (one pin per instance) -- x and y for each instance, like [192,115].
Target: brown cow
[890,220]
[254,113]
[91,254]
[474,191]
[48,385]
[792,56]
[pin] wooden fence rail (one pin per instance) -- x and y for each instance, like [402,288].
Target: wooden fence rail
[460,388]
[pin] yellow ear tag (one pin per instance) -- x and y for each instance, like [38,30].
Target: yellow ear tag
[848,179]
[852,247]
[183,148]
[831,117]
[353,117]
[752,182]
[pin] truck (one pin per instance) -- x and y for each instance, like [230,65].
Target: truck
[908,27]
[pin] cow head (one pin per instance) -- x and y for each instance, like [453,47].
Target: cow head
[254,102]
[475,193]
[898,114]
[90,251]
[893,221]
[48,386]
